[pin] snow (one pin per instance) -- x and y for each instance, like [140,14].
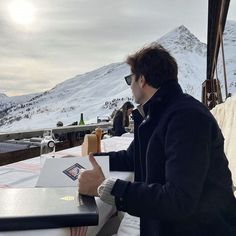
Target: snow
[99,92]
[6,102]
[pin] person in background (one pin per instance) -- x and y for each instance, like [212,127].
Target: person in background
[59,124]
[59,137]
[182,184]
[121,119]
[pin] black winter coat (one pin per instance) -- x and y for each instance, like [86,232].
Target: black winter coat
[182,184]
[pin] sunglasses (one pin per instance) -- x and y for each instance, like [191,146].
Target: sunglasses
[128,79]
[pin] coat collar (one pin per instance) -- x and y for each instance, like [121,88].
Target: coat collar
[166,93]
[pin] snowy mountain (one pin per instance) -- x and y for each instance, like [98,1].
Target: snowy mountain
[99,92]
[94,93]
[8,102]
[190,54]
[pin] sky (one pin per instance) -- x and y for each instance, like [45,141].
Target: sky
[46,42]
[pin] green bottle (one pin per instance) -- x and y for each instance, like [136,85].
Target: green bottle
[81,122]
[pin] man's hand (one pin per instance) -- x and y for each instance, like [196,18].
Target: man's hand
[89,180]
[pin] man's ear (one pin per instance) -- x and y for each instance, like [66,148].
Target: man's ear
[142,81]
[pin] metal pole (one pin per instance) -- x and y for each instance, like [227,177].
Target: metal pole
[224,68]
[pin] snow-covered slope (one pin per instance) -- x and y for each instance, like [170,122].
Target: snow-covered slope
[92,93]
[8,102]
[230,58]
[100,91]
[190,54]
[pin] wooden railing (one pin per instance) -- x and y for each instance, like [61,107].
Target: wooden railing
[58,130]
[72,140]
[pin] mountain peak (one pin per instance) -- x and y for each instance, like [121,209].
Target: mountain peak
[182,28]
[181,39]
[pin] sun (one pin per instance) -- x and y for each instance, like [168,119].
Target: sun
[22,12]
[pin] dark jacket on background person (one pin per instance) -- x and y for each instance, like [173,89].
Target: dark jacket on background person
[118,127]
[182,183]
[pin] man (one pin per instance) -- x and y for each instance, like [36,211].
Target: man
[182,184]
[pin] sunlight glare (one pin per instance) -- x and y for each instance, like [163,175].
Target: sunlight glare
[22,12]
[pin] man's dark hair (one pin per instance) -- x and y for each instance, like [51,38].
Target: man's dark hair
[155,63]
